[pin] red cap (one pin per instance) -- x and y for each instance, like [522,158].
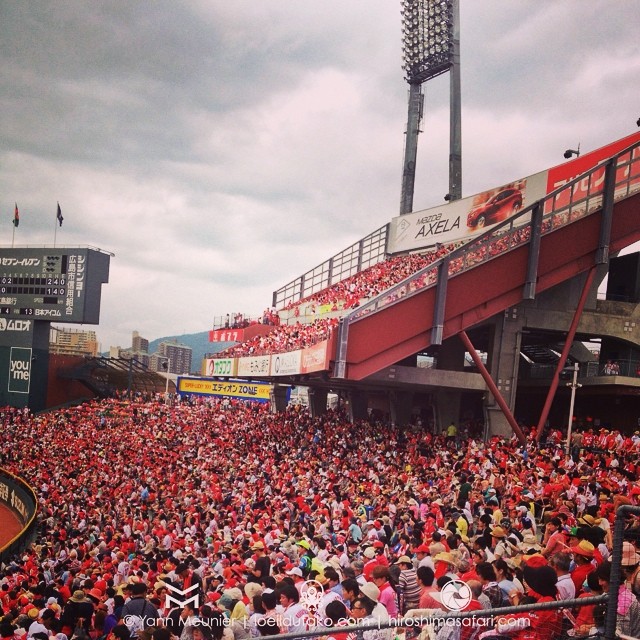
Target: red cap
[536,561]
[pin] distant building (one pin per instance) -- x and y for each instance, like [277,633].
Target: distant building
[139,344]
[139,350]
[73,342]
[171,357]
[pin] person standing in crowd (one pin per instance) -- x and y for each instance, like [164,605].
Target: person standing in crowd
[628,607]
[293,613]
[555,538]
[262,568]
[77,612]
[408,587]
[380,577]
[138,613]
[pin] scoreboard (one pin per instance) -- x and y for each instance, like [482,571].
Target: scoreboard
[52,284]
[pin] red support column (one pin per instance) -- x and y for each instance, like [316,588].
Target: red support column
[493,388]
[565,352]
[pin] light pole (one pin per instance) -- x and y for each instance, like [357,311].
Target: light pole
[166,386]
[430,47]
[574,384]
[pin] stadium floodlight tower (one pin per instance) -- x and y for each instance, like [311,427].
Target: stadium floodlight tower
[431,47]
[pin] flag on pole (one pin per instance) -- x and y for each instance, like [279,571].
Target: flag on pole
[16,216]
[59,215]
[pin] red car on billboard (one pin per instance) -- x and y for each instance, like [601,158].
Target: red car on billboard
[496,209]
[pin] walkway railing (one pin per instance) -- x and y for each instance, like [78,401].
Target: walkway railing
[578,198]
[371,250]
[434,619]
[629,368]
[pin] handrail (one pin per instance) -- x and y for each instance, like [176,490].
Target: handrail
[626,367]
[509,232]
[417,618]
[366,252]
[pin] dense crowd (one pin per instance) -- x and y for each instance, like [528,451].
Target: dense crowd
[286,337]
[374,280]
[475,253]
[369,283]
[343,295]
[275,522]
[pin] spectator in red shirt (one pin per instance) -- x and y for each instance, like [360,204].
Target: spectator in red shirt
[555,539]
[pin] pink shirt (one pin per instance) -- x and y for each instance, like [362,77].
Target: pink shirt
[388,599]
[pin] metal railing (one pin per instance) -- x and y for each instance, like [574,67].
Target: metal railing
[368,251]
[516,230]
[235,321]
[435,619]
[629,368]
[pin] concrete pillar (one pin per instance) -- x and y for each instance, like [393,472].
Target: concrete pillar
[279,398]
[447,408]
[498,424]
[503,363]
[400,407]
[358,405]
[317,402]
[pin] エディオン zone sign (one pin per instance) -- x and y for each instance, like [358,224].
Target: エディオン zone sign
[241,389]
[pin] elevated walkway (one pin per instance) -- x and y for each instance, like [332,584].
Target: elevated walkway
[558,243]
[566,234]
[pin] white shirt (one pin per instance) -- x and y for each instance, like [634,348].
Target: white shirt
[381,615]
[329,596]
[566,588]
[37,627]
[295,618]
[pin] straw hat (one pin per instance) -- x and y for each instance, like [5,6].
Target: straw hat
[529,541]
[445,556]
[584,548]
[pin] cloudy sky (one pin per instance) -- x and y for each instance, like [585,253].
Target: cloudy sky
[220,149]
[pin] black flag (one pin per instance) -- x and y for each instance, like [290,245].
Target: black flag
[59,215]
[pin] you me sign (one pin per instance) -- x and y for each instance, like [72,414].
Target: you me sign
[19,370]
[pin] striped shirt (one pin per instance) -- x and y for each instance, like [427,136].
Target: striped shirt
[409,589]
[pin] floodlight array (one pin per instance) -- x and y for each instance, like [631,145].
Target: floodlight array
[427,38]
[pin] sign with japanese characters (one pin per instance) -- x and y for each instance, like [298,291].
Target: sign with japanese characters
[240,389]
[54,284]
